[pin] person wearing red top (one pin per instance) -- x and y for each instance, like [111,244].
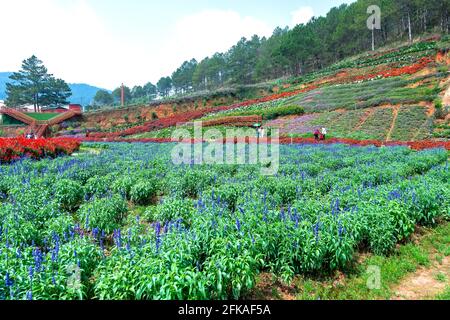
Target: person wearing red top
[316,134]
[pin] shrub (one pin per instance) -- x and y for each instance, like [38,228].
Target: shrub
[144,192]
[59,226]
[123,186]
[193,183]
[228,194]
[380,228]
[441,111]
[68,194]
[282,111]
[97,186]
[174,209]
[105,214]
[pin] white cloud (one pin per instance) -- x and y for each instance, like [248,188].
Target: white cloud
[204,33]
[71,39]
[78,46]
[302,15]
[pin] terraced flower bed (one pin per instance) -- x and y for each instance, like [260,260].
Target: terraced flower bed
[238,121]
[378,124]
[367,94]
[408,55]
[196,114]
[412,117]
[294,125]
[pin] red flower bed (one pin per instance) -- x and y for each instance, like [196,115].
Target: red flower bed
[416,145]
[233,121]
[189,116]
[396,72]
[15,148]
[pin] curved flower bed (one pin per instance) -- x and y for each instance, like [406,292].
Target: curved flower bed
[416,145]
[396,72]
[15,148]
[234,121]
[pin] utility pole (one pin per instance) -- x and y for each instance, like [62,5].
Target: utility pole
[122,97]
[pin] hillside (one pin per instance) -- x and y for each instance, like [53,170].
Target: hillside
[81,93]
[387,95]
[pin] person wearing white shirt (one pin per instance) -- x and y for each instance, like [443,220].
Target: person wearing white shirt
[324,133]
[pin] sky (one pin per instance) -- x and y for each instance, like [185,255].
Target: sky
[107,42]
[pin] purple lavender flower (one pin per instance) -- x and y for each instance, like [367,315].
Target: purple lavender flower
[31,272]
[238,225]
[8,281]
[316,231]
[158,236]
[340,230]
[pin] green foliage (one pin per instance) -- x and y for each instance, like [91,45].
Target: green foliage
[144,192]
[68,194]
[217,226]
[33,85]
[103,98]
[174,209]
[282,111]
[104,213]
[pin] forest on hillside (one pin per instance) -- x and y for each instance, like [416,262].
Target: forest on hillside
[343,32]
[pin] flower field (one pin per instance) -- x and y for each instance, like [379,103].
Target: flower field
[16,148]
[129,224]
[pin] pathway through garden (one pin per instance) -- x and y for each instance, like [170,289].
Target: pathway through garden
[425,283]
[394,121]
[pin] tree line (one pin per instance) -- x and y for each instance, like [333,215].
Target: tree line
[309,47]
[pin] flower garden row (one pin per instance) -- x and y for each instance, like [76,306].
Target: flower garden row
[415,145]
[69,228]
[16,148]
[396,72]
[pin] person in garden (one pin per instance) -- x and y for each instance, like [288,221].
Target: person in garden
[324,134]
[316,134]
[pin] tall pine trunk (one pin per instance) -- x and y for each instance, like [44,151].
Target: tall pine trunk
[409,28]
[373,39]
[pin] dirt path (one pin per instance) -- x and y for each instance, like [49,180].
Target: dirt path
[394,121]
[364,118]
[426,283]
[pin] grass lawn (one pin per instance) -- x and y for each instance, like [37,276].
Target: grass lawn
[42,116]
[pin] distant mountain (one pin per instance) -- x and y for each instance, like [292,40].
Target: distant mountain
[3,80]
[81,93]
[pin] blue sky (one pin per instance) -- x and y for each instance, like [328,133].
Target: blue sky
[106,42]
